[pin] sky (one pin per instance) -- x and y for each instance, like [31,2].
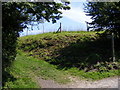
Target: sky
[72,20]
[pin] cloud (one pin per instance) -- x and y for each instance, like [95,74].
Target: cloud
[76,14]
[77,0]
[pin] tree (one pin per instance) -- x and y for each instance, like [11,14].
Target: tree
[16,16]
[105,16]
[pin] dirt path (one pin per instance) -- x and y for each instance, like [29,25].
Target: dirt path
[111,82]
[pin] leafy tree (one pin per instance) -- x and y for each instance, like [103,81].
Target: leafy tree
[105,16]
[16,16]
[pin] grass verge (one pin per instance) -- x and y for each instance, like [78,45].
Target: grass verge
[26,68]
[93,75]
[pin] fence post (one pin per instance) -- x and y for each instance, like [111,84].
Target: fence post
[27,32]
[43,27]
[60,27]
[113,47]
[87,26]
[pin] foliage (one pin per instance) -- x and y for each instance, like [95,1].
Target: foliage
[16,16]
[105,16]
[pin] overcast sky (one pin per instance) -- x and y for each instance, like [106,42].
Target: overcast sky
[73,20]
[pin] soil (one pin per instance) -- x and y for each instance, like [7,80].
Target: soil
[111,82]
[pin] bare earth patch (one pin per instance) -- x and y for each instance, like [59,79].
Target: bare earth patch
[111,82]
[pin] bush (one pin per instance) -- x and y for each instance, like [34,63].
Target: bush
[9,48]
[8,52]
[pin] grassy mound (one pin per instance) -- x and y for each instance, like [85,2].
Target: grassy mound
[84,50]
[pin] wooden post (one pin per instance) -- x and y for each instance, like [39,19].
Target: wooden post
[27,32]
[113,50]
[43,27]
[87,26]
[60,27]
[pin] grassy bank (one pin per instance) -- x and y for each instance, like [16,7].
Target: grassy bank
[25,69]
[57,56]
[84,50]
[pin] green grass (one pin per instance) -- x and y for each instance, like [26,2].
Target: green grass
[71,49]
[26,68]
[56,56]
[56,36]
[92,75]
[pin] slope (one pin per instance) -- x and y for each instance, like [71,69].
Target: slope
[84,50]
